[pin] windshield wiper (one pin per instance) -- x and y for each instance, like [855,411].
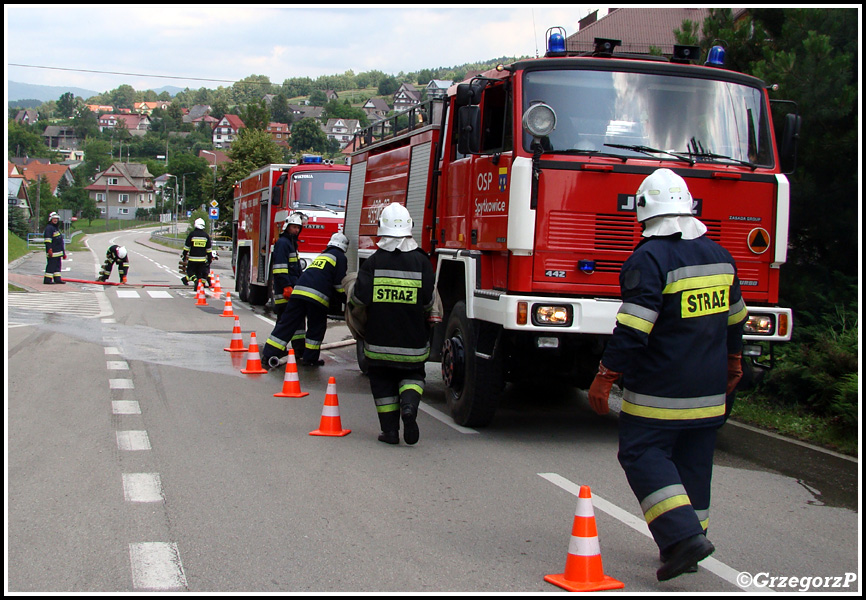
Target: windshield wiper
[592,152]
[697,149]
[650,151]
[322,206]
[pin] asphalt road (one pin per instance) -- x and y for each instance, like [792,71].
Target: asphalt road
[139,458]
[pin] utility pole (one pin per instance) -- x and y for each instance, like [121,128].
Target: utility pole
[214,184]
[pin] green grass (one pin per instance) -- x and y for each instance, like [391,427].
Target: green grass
[793,422]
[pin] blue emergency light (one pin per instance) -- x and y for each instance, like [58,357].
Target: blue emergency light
[716,57]
[556,41]
[311,159]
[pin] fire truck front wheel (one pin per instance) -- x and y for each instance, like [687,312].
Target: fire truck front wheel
[244,278]
[474,383]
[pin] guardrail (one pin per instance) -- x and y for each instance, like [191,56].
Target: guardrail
[36,239]
[178,242]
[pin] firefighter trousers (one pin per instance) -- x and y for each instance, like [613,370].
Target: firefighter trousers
[670,472]
[394,388]
[52,270]
[305,341]
[196,270]
[105,273]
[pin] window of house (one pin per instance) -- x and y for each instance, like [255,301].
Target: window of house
[123,211]
[124,197]
[100,197]
[102,210]
[112,181]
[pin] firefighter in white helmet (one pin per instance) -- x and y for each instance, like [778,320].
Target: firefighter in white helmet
[197,255]
[677,346]
[395,287]
[287,266]
[318,285]
[115,255]
[55,250]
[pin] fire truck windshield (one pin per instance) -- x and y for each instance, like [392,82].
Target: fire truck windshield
[625,113]
[319,189]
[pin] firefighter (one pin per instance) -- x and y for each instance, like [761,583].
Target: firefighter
[115,255]
[55,249]
[395,286]
[309,301]
[677,345]
[287,266]
[197,255]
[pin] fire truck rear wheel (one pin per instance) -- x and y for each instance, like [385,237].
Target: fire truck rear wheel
[473,384]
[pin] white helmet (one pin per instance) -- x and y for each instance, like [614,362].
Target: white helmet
[340,241]
[663,193]
[121,252]
[296,218]
[53,215]
[199,223]
[395,221]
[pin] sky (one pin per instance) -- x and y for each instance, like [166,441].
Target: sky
[210,46]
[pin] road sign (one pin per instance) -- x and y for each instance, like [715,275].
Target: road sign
[214,203]
[215,213]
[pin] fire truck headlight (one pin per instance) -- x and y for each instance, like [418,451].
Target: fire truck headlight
[539,120]
[760,325]
[558,316]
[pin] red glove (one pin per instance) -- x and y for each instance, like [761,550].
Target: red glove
[50,253]
[287,291]
[735,371]
[599,391]
[64,256]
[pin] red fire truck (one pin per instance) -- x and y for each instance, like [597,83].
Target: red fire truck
[521,186]
[314,187]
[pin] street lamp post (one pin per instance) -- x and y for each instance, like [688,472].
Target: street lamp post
[214,183]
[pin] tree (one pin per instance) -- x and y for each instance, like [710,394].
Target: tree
[85,123]
[66,105]
[23,141]
[122,97]
[308,136]
[280,112]
[388,85]
[17,221]
[317,98]
[256,115]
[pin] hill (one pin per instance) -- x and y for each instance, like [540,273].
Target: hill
[22,91]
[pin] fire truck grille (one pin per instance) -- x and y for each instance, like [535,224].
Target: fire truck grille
[587,232]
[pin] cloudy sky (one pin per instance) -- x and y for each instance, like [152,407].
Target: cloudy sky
[208,46]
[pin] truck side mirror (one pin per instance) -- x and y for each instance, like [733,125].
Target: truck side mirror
[788,145]
[469,130]
[463,96]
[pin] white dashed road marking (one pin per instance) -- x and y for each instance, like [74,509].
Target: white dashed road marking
[132,440]
[156,566]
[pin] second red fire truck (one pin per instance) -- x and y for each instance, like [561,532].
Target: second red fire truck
[521,186]
[315,187]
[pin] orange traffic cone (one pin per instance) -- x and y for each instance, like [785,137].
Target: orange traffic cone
[237,343]
[200,299]
[330,423]
[583,571]
[254,361]
[291,384]
[227,311]
[217,290]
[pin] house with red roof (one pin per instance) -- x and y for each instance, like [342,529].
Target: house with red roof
[226,131]
[122,189]
[53,174]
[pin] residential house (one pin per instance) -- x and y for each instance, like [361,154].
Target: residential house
[17,191]
[438,88]
[639,29]
[406,96]
[147,108]
[226,131]
[53,174]
[376,109]
[27,116]
[331,95]
[279,132]
[197,113]
[342,130]
[122,189]
[100,108]
[61,138]
[304,111]
[140,122]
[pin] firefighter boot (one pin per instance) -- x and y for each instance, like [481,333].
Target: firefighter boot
[390,423]
[184,280]
[684,555]
[409,414]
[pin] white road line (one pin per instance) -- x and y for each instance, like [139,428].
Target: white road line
[156,566]
[439,416]
[120,384]
[127,294]
[117,365]
[267,320]
[142,487]
[638,524]
[132,440]
[159,294]
[125,407]
[112,350]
